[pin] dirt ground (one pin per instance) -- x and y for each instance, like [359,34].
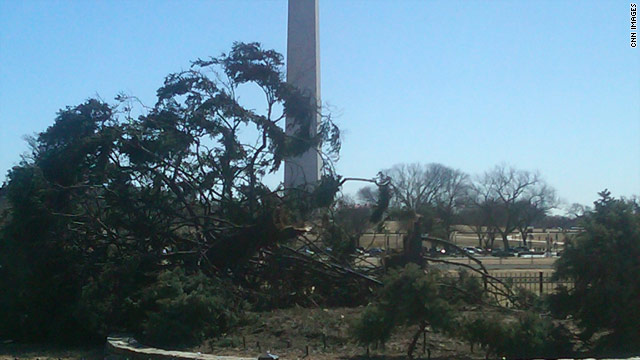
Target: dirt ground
[324,332]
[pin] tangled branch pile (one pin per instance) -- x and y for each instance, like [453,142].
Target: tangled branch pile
[114,220]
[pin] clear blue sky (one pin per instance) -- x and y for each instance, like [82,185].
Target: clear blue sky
[543,85]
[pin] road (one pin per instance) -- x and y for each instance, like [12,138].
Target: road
[490,262]
[494,263]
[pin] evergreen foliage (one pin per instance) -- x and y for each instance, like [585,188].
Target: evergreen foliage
[409,297]
[528,336]
[604,263]
[110,207]
[184,310]
[464,289]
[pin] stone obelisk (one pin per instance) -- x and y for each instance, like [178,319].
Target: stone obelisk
[303,72]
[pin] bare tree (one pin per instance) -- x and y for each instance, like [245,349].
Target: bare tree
[451,195]
[534,207]
[419,186]
[509,197]
[476,216]
[414,185]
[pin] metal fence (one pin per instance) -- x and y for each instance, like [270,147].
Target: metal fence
[538,282]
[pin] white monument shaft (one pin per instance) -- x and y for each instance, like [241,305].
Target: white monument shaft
[303,71]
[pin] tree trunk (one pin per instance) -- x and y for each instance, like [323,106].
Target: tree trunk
[414,341]
[524,235]
[412,244]
[505,241]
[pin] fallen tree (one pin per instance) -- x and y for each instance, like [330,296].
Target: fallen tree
[107,201]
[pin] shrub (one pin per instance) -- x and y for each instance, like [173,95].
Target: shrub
[486,331]
[526,299]
[408,297]
[535,336]
[183,310]
[373,328]
[109,301]
[464,289]
[525,337]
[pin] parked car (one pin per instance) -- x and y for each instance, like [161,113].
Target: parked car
[437,252]
[470,250]
[532,254]
[521,249]
[502,253]
[375,251]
